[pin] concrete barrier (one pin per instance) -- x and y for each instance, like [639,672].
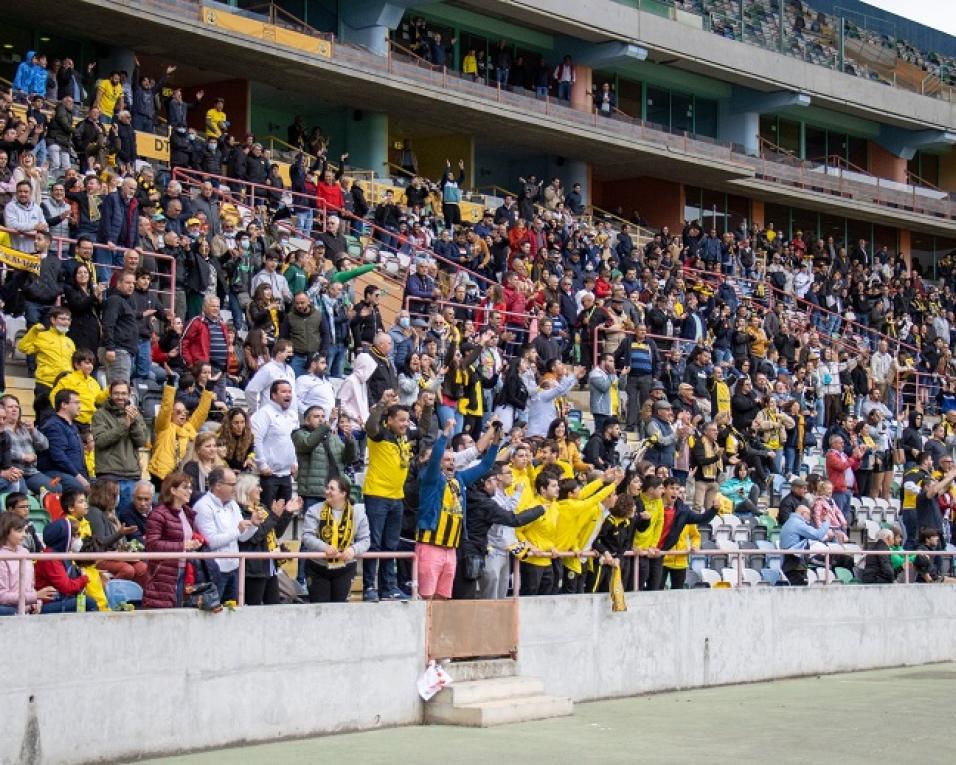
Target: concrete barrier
[714,637]
[110,687]
[115,687]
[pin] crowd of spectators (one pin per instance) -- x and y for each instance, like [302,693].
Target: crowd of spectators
[719,352]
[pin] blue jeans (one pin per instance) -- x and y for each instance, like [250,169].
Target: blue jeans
[791,462]
[722,354]
[299,364]
[39,481]
[60,606]
[142,122]
[564,91]
[143,363]
[235,308]
[335,356]
[501,76]
[226,584]
[102,259]
[10,486]
[67,481]
[446,413]
[842,500]
[385,528]
[126,486]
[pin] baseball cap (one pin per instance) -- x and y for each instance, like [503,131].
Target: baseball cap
[194,222]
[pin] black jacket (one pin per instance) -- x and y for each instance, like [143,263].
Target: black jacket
[787,505]
[483,513]
[383,378]
[878,569]
[120,327]
[601,453]
[257,542]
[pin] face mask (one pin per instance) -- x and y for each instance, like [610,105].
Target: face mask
[180,130]
[212,146]
[404,322]
[76,545]
[192,136]
[61,330]
[192,234]
[244,244]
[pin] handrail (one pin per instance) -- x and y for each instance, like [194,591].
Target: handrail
[738,555]
[402,170]
[276,12]
[351,172]
[195,177]
[62,245]
[495,188]
[915,180]
[766,143]
[413,55]
[276,555]
[642,231]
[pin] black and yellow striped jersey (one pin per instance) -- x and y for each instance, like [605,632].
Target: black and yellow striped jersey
[448,531]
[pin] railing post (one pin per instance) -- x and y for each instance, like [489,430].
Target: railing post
[826,562]
[241,583]
[21,592]
[414,577]
[740,570]
[516,579]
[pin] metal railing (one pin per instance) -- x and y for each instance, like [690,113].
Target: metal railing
[279,555]
[63,245]
[738,556]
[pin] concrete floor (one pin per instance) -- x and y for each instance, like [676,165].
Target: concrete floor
[895,715]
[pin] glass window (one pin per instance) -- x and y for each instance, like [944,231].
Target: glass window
[857,153]
[682,113]
[789,136]
[738,211]
[835,226]
[816,144]
[629,95]
[713,212]
[779,215]
[923,254]
[885,235]
[706,117]
[805,221]
[857,230]
[658,107]
[768,128]
[692,201]
[929,168]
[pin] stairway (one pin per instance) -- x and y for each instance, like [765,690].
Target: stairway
[487,693]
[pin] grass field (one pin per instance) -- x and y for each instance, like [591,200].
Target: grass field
[892,716]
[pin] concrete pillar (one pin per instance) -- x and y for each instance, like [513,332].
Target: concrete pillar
[756,211]
[740,127]
[947,171]
[368,22]
[906,247]
[581,87]
[366,140]
[885,164]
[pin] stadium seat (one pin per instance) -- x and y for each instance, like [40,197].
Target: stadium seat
[752,577]
[844,575]
[729,575]
[773,577]
[693,580]
[811,576]
[709,577]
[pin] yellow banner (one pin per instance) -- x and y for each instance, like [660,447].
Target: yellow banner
[22,261]
[152,146]
[232,22]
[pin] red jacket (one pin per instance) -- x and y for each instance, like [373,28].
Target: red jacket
[53,573]
[195,343]
[164,533]
[837,463]
[331,194]
[516,303]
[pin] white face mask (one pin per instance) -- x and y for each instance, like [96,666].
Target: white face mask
[76,545]
[61,330]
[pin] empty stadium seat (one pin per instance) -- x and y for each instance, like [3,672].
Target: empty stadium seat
[709,577]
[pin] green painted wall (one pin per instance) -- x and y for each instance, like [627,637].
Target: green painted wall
[485,26]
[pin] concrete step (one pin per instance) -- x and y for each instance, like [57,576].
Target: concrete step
[500,712]
[478,691]
[485,669]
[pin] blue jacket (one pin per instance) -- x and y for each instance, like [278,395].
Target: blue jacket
[115,221]
[66,449]
[30,77]
[796,533]
[432,483]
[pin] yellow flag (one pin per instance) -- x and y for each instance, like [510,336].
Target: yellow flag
[22,261]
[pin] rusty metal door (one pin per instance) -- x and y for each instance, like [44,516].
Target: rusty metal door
[472,629]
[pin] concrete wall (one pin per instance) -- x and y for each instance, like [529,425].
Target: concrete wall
[118,686]
[714,637]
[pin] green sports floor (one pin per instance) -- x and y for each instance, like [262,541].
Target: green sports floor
[893,716]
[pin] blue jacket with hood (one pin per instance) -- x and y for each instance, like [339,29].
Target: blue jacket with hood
[30,77]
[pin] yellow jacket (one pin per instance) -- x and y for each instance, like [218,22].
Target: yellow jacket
[568,452]
[54,352]
[577,519]
[91,394]
[525,479]
[652,534]
[171,442]
[541,534]
[689,538]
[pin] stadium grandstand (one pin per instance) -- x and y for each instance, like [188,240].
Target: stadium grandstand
[308,302]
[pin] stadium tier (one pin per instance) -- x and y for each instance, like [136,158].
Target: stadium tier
[515,303]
